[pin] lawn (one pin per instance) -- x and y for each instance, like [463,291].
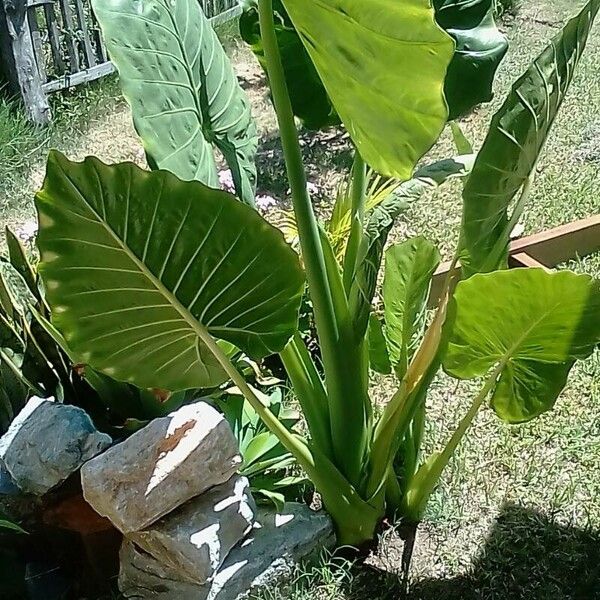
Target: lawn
[518,514]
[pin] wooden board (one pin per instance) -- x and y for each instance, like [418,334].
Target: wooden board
[546,249]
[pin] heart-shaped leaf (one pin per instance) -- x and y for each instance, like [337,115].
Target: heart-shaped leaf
[183,92]
[138,266]
[383,64]
[533,324]
[513,145]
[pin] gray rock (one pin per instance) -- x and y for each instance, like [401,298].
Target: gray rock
[47,442]
[142,576]
[265,557]
[195,539]
[8,487]
[161,466]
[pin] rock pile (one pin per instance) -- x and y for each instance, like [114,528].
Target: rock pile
[190,523]
[191,528]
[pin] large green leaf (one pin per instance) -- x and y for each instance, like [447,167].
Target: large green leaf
[409,267]
[383,64]
[480,48]
[531,323]
[183,92]
[310,101]
[510,152]
[138,266]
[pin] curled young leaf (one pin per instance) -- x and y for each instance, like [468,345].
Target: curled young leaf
[409,267]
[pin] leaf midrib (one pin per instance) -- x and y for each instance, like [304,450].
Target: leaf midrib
[197,327]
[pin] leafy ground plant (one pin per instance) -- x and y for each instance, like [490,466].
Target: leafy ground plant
[151,278]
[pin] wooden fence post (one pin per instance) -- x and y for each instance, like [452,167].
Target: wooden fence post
[19,61]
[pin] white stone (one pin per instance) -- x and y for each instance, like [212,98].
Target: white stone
[196,538]
[161,466]
[276,544]
[47,442]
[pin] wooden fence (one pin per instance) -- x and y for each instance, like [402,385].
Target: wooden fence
[50,45]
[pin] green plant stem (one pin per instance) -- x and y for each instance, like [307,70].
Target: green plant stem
[291,442]
[348,422]
[312,252]
[418,494]
[309,390]
[355,520]
[400,410]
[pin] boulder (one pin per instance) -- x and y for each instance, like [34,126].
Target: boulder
[276,544]
[47,442]
[195,539]
[161,466]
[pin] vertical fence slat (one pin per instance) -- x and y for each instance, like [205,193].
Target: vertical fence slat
[38,47]
[18,59]
[67,18]
[88,51]
[54,39]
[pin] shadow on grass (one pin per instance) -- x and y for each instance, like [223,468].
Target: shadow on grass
[526,557]
[330,150]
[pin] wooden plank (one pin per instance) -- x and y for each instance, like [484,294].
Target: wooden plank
[88,51]
[563,243]
[106,67]
[38,46]
[54,39]
[69,34]
[18,58]
[546,249]
[101,54]
[524,260]
[84,76]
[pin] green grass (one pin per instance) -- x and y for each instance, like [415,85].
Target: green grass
[23,146]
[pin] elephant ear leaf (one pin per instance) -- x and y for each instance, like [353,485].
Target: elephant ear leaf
[183,92]
[517,134]
[480,48]
[532,324]
[383,64]
[310,101]
[141,268]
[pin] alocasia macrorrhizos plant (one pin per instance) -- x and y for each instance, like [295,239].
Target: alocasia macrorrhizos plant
[151,277]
